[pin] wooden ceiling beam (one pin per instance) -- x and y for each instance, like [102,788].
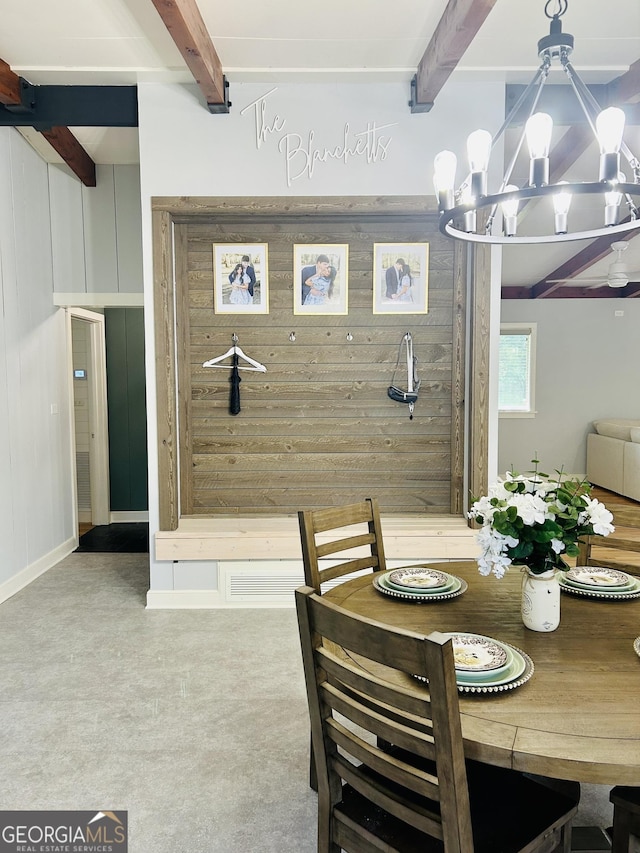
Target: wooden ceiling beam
[456,29]
[580,262]
[605,292]
[64,142]
[185,24]
[60,138]
[9,86]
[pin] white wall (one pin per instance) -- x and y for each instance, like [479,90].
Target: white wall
[96,234]
[289,140]
[587,367]
[36,484]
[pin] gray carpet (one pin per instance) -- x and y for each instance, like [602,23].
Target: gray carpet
[193,721]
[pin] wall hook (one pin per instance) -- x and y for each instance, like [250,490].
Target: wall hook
[349,336]
[292,336]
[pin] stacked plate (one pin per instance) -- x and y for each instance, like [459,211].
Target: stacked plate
[600,582]
[485,665]
[419,583]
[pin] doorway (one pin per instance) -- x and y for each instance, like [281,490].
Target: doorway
[86,341]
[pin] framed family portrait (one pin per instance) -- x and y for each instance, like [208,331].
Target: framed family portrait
[240,278]
[320,278]
[400,278]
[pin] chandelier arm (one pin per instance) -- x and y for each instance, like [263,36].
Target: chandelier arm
[584,96]
[534,104]
[539,79]
[574,78]
[542,70]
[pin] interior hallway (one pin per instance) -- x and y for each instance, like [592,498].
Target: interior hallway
[194,721]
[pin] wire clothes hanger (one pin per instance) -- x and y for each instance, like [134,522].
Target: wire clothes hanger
[235,350]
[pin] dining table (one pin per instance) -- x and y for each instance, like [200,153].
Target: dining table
[577,717]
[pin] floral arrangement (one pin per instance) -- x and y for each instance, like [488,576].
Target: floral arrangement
[534,520]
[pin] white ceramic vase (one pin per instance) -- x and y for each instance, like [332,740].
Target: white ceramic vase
[540,600]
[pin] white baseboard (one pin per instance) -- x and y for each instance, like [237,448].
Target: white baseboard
[39,567]
[129,516]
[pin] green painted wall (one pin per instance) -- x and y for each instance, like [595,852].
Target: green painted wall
[124,329]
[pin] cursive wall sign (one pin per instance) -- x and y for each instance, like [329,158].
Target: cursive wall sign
[301,154]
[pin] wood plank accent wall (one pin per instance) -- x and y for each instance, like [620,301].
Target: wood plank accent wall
[318,428]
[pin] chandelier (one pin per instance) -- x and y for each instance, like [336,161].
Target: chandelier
[473,214]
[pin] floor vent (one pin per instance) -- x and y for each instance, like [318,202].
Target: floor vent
[268,583]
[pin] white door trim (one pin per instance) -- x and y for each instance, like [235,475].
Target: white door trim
[98,420]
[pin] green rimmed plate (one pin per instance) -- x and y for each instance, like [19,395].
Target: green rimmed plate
[603,594]
[449,584]
[459,588]
[599,577]
[501,686]
[419,577]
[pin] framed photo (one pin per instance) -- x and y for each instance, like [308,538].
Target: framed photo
[320,278]
[240,278]
[400,278]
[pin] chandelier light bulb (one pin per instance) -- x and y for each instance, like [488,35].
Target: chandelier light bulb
[444,177]
[538,131]
[561,205]
[510,211]
[479,150]
[609,128]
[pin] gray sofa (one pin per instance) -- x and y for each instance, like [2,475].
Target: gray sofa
[613,456]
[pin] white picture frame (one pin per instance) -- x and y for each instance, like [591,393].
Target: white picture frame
[239,296]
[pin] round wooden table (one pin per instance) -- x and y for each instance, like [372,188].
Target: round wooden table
[578,717]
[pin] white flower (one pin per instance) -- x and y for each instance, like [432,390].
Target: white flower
[557,545]
[531,508]
[599,516]
[483,508]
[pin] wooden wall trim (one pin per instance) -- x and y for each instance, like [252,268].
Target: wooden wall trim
[185,443]
[190,207]
[479,342]
[458,377]
[163,296]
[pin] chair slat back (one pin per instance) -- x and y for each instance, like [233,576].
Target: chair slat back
[352,702]
[357,541]
[620,546]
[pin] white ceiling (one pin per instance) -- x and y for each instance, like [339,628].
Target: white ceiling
[125,41]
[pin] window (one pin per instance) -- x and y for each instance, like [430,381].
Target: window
[516,382]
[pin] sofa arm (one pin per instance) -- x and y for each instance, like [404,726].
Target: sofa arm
[605,460]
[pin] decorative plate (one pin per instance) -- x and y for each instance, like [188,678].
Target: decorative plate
[522,662]
[421,597]
[418,577]
[636,646]
[627,587]
[610,595]
[450,584]
[474,653]
[598,576]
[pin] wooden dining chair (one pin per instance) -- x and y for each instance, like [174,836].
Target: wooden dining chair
[356,550]
[626,819]
[422,795]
